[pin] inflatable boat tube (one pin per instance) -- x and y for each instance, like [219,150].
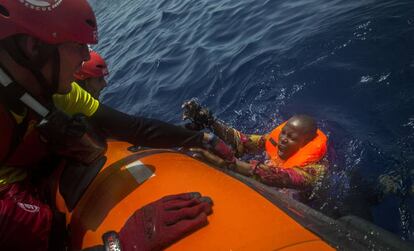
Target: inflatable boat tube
[247,215]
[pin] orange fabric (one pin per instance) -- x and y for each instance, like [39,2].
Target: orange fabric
[310,153]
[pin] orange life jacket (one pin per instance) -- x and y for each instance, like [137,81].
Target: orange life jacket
[310,153]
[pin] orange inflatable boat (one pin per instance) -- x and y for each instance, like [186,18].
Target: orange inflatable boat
[247,215]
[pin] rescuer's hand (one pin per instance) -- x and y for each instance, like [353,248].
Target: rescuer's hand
[72,137]
[163,222]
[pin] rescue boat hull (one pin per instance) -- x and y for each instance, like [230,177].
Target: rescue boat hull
[242,218]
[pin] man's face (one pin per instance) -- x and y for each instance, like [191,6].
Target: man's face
[71,57]
[95,85]
[291,139]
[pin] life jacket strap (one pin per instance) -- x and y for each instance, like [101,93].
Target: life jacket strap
[14,98]
[11,90]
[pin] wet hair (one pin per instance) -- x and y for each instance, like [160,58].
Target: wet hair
[307,124]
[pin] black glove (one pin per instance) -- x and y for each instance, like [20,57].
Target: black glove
[200,116]
[72,137]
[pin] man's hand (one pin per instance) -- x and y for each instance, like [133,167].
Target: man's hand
[206,155]
[200,116]
[219,148]
[163,222]
[239,166]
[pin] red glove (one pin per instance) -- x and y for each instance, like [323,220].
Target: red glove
[165,221]
[221,149]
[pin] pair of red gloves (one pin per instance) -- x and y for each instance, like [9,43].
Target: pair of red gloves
[161,223]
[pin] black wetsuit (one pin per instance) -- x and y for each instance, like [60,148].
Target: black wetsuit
[143,131]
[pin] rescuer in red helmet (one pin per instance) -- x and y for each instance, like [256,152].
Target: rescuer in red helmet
[91,75]
[42,44]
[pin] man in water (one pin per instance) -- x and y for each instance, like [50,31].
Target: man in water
[294,150]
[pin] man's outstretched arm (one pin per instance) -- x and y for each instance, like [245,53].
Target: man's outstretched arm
[296,177]
[242,143]
[202,118]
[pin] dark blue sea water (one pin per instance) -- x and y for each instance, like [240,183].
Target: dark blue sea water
[348,63]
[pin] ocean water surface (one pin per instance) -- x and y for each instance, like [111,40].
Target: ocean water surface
[255,63]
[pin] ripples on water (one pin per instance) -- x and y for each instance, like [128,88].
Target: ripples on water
[350,64]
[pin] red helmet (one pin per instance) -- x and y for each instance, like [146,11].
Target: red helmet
[52,21]
[95,67]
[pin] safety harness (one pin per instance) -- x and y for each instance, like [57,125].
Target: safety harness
[67,136]
[13,132]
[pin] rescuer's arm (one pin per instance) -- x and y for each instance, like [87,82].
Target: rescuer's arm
[154,133]
[143,131]
[135,130]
